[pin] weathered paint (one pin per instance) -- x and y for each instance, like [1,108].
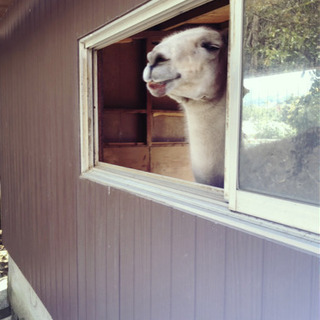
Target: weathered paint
[94,252]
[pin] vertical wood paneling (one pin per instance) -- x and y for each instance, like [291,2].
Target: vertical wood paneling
[315,290]
[161,252]
[183,266]
[244,269]
[113,255]
[120,256]
[142,261]
[90,252]
[81,247]
[127,232]
[101,248]
[40,147]
[287,276]
[210,270]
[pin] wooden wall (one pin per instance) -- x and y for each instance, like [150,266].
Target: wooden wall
[39,121]
[141,260]
[93,252]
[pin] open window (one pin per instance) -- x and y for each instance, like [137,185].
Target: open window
[137,130]
[127,135]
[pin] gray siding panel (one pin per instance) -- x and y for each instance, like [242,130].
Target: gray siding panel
[161,248]
[113,254]
[315,290]
[287,281]
[244,276]
[93,252]
[164,264]
[183,266]
[40,143]
[127,237]
[210,270]
[142,261]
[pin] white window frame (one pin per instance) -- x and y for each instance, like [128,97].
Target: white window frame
[200,200]
[294,214]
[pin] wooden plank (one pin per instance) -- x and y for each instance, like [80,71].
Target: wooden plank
[124,91]
[100,101]
[142,260]
[100,249]
[173,161]
[315,289]
[168,127]
[216,16]
[128,206]
[123,127]
[135,157]
[184,17]
[183,266]
[161,227]
[90,254]
[124,110]
[210,270]
[244,281]
[112,210]
[40,151]
[287,279]
[164,103]
[81,229]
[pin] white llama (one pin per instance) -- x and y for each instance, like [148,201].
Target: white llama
[191,68]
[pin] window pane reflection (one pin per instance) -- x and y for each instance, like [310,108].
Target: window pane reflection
[280,149]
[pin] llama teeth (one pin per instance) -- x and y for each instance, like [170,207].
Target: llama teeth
[157,83]
[154,85]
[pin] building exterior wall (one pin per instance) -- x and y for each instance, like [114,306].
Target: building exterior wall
[93,252]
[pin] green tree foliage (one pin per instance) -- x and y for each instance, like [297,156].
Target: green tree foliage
[281,35]
[303,112]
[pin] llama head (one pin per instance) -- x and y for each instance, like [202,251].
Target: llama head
[190,64]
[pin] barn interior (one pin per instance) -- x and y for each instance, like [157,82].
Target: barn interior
[137,130]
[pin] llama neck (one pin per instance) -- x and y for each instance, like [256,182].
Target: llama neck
[206,131]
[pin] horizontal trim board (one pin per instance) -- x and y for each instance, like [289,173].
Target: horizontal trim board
[202,201]
[300,215]
[132,23]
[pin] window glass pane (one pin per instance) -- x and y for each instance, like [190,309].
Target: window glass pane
[279,152]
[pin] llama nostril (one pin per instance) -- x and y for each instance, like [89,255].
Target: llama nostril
[156,58]
[159,59]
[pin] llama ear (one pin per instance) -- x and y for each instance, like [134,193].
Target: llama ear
[225,35]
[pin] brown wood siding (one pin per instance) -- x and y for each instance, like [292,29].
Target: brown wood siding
[40,140]
[93,252]
[141,260]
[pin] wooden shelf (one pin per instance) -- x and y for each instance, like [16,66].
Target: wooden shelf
[169,143]
[123,144]
[168,113]
[155,112]
[137,130]
[139,144]
[124,110]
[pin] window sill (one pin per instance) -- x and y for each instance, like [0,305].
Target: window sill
[199,200]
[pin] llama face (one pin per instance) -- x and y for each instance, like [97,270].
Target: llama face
[187,65]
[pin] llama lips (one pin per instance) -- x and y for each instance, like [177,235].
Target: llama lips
[158,89]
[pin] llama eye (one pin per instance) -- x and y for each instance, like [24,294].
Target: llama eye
[209,46]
